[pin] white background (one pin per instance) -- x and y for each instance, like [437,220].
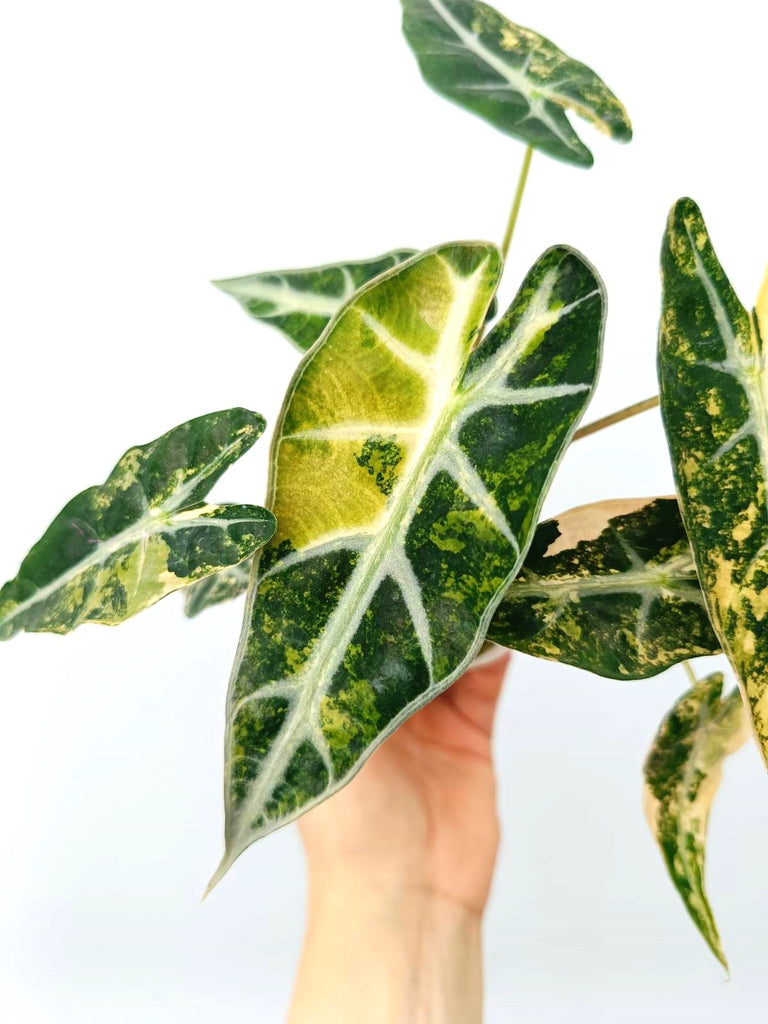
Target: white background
[152,146]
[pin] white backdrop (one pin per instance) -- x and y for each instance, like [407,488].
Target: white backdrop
[152,146]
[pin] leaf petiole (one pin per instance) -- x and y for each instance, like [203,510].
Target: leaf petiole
[617,417]
[516,202]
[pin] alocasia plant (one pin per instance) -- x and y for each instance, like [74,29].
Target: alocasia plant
[408,468]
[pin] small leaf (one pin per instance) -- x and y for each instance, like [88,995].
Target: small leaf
[510,76]
[408,469]
[713,403]
[217,588]
[682,775]
[118,548]
[301,303]
[611,588]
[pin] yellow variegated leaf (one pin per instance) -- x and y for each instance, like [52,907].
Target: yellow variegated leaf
[682,775]
[714,402]
[408,468]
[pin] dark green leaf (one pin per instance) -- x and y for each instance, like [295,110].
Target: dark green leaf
[115,549]
[510,76]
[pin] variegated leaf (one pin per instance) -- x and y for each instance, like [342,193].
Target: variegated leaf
[510,76]
[682,775]
[714,384]
[115,549]
[407,473]
[611,588]
[217,588]
[301,303]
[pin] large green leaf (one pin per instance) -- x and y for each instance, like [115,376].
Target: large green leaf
[407,474]
[117,548]
[611,588]
[301,303]
[512,77]
[714,389]
[682,775]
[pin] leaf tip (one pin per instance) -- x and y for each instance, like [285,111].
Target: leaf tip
[224,865]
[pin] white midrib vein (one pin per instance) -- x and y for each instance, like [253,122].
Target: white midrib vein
[156,521]
[635,580]
[288,300]
[379,559]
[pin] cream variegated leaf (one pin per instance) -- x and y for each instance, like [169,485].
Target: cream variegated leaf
[117,548]
[301,303]
[714,402]
[682,775]
[510,76]
[407,471]
[611,588]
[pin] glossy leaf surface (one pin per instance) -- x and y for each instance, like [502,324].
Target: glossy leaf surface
[510,76]
[682,775]
[713,402]
[301,303]
[117,548]
[611,588]
[407,474]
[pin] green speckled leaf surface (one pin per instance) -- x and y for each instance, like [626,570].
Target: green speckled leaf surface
[611,588]
[407,472]
[511,76]
[682,775]
[117,548]
[301,303]
[715,410]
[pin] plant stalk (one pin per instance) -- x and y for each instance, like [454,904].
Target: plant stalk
[690,673]
[617,417]
[516,202]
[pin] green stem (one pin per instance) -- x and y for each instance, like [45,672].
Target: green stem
[690,673]
[617,417]
[516,202]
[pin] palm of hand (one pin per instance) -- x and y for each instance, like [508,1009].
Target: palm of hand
[422,810]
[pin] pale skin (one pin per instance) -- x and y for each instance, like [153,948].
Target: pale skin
[400,864]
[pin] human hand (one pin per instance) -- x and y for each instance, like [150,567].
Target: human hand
[400,864]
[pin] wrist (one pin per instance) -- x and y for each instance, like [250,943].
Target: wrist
[410,955]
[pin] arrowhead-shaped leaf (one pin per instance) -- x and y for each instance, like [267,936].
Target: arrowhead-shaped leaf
[713,401]
[115,549]
[682,775]
[512,77]
[407,473]
[301,303]
[611,588]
